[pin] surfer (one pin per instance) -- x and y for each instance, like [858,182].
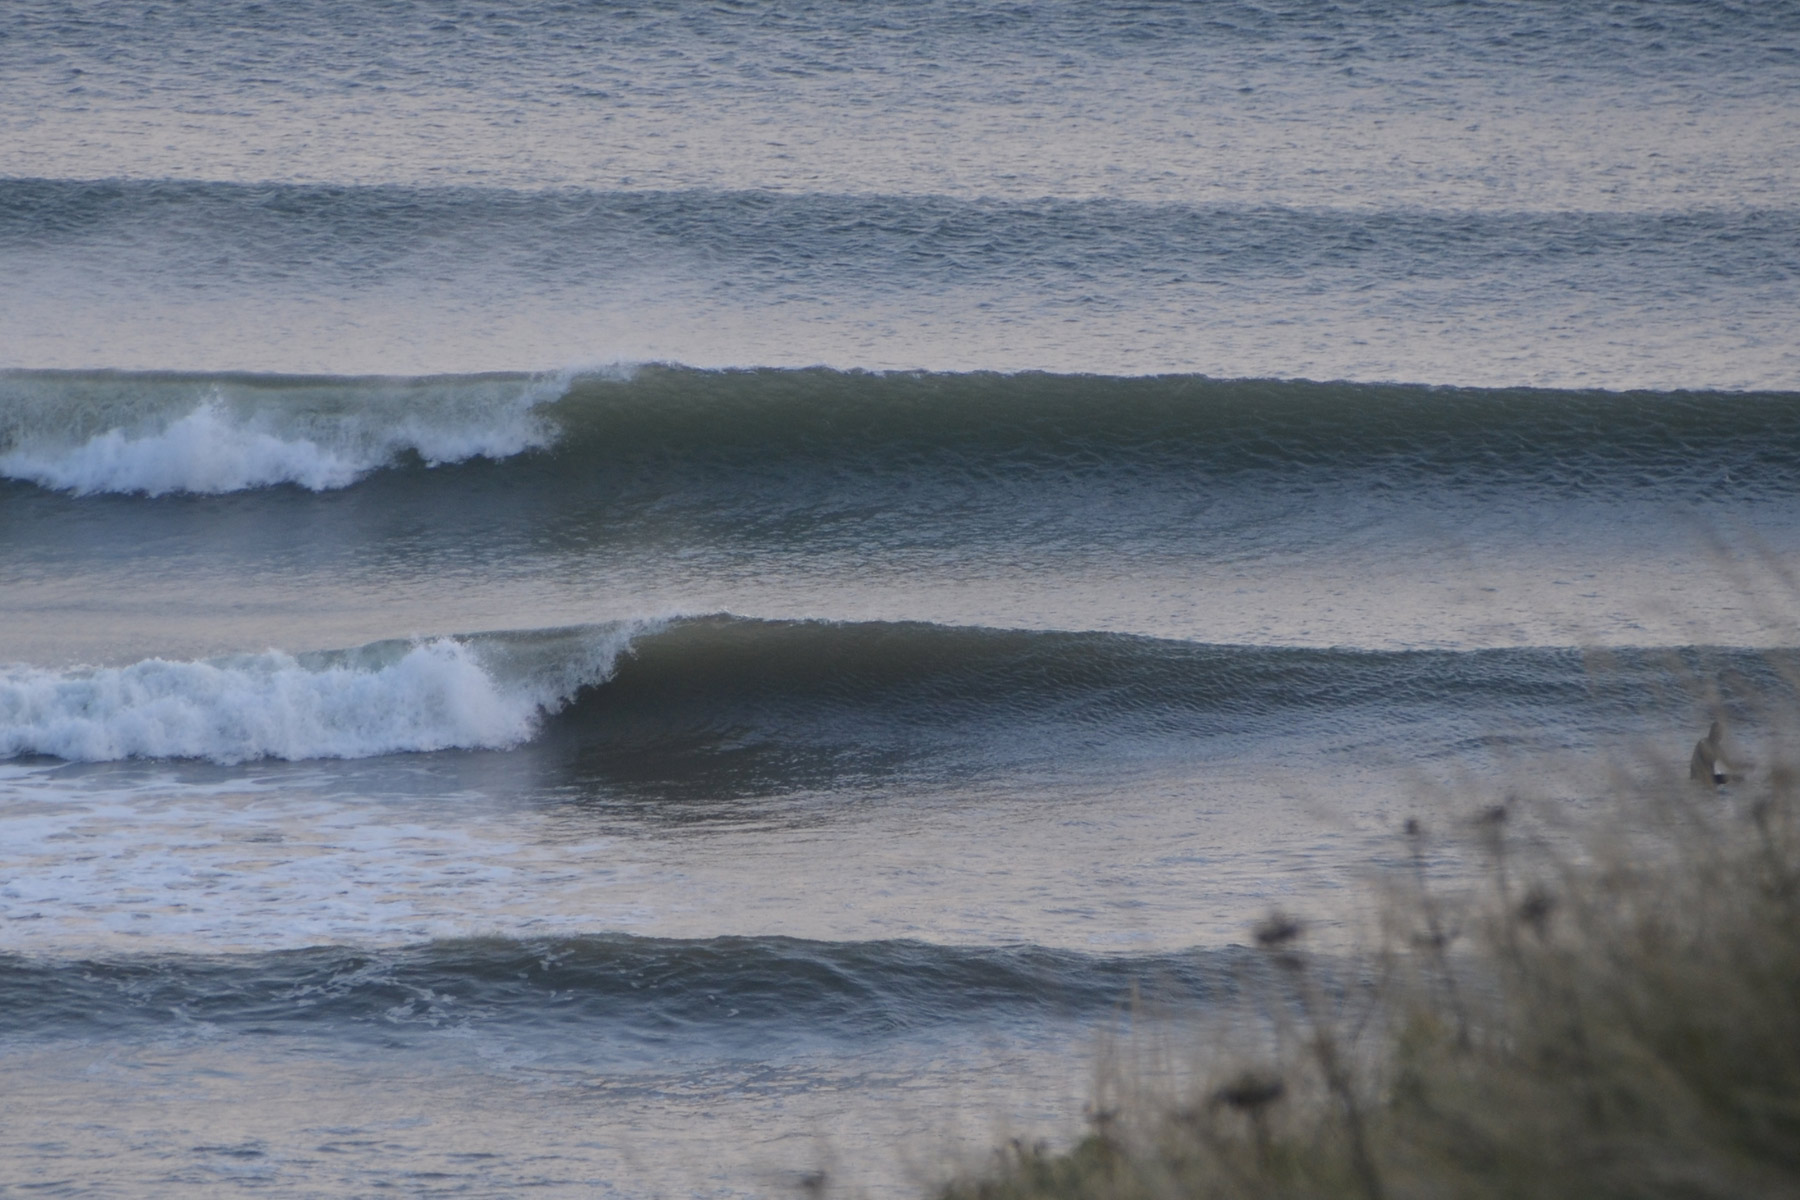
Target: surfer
[1707,764]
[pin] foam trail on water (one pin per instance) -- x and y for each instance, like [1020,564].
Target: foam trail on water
[228,443]
[435,695]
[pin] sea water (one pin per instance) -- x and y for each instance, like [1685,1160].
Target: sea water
[656,599]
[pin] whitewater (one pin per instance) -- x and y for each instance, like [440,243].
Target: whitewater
[662,600]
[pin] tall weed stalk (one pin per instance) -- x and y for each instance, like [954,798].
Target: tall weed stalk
[1618,1021]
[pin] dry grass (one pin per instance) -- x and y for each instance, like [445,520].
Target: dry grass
[1620,1021]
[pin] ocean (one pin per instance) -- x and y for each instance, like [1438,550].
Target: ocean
[678,599]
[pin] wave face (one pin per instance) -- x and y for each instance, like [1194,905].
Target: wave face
[157,434]
[676,429]
[1084,425]
[724,708]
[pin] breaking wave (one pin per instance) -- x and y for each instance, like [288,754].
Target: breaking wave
[711,699]
[386,698]
[156,435]
[675,428]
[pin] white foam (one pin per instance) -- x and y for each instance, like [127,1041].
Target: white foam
[204,451]
[437,695]
[215,447]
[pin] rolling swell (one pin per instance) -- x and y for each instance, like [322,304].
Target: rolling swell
[745,704]
[662,429]
[722,706]
[616,990]
[897,420]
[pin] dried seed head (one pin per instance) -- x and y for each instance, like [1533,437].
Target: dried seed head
[1535,909]
[1251,1091]
[1277,929]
